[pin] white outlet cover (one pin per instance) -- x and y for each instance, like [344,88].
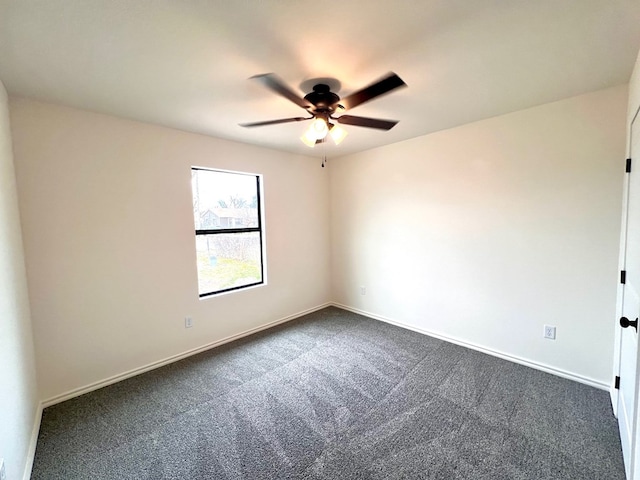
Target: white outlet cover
[188,322]
[3,473]
[549,332]
[363,290]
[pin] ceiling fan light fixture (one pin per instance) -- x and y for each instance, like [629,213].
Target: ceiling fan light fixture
[322,104]
[318,130]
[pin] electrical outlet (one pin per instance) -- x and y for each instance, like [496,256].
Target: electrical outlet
[363,290]
[549,332]
[188,323]
[3,473]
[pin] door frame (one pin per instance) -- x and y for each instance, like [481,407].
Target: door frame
[614,392]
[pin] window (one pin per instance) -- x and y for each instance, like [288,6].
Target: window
[227,214]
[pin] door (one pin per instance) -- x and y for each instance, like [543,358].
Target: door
[627,398]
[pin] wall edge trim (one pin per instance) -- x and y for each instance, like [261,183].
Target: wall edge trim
[495,353]
[31,452]
[76,392]
[613,396]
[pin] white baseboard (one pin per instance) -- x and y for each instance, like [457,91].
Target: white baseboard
[31,453]
[505,356]
[174,358]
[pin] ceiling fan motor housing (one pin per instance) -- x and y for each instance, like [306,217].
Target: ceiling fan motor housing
[323,99]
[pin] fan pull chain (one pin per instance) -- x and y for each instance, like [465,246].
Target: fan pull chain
[324,152]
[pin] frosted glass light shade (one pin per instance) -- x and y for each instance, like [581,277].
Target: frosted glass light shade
[338,134]
[320,128]
[309,138]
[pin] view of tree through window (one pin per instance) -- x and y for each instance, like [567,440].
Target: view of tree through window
[226,209]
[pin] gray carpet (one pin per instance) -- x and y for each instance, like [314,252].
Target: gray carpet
[334,395]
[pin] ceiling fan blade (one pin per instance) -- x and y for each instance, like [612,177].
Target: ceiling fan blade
[367,122]
[275,122]
[390,82]
[275,84]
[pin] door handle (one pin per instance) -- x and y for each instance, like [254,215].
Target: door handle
[625,322]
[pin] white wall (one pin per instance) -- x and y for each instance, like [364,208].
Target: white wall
[108,230]
[486,232]
[18,390]
[482,233]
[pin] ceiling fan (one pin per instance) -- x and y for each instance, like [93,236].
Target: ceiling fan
[321,104]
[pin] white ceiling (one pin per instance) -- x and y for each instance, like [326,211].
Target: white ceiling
[186,63]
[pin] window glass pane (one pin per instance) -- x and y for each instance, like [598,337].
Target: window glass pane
[228,260]
[224,200]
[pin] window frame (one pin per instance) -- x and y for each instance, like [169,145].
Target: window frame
[231,231]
